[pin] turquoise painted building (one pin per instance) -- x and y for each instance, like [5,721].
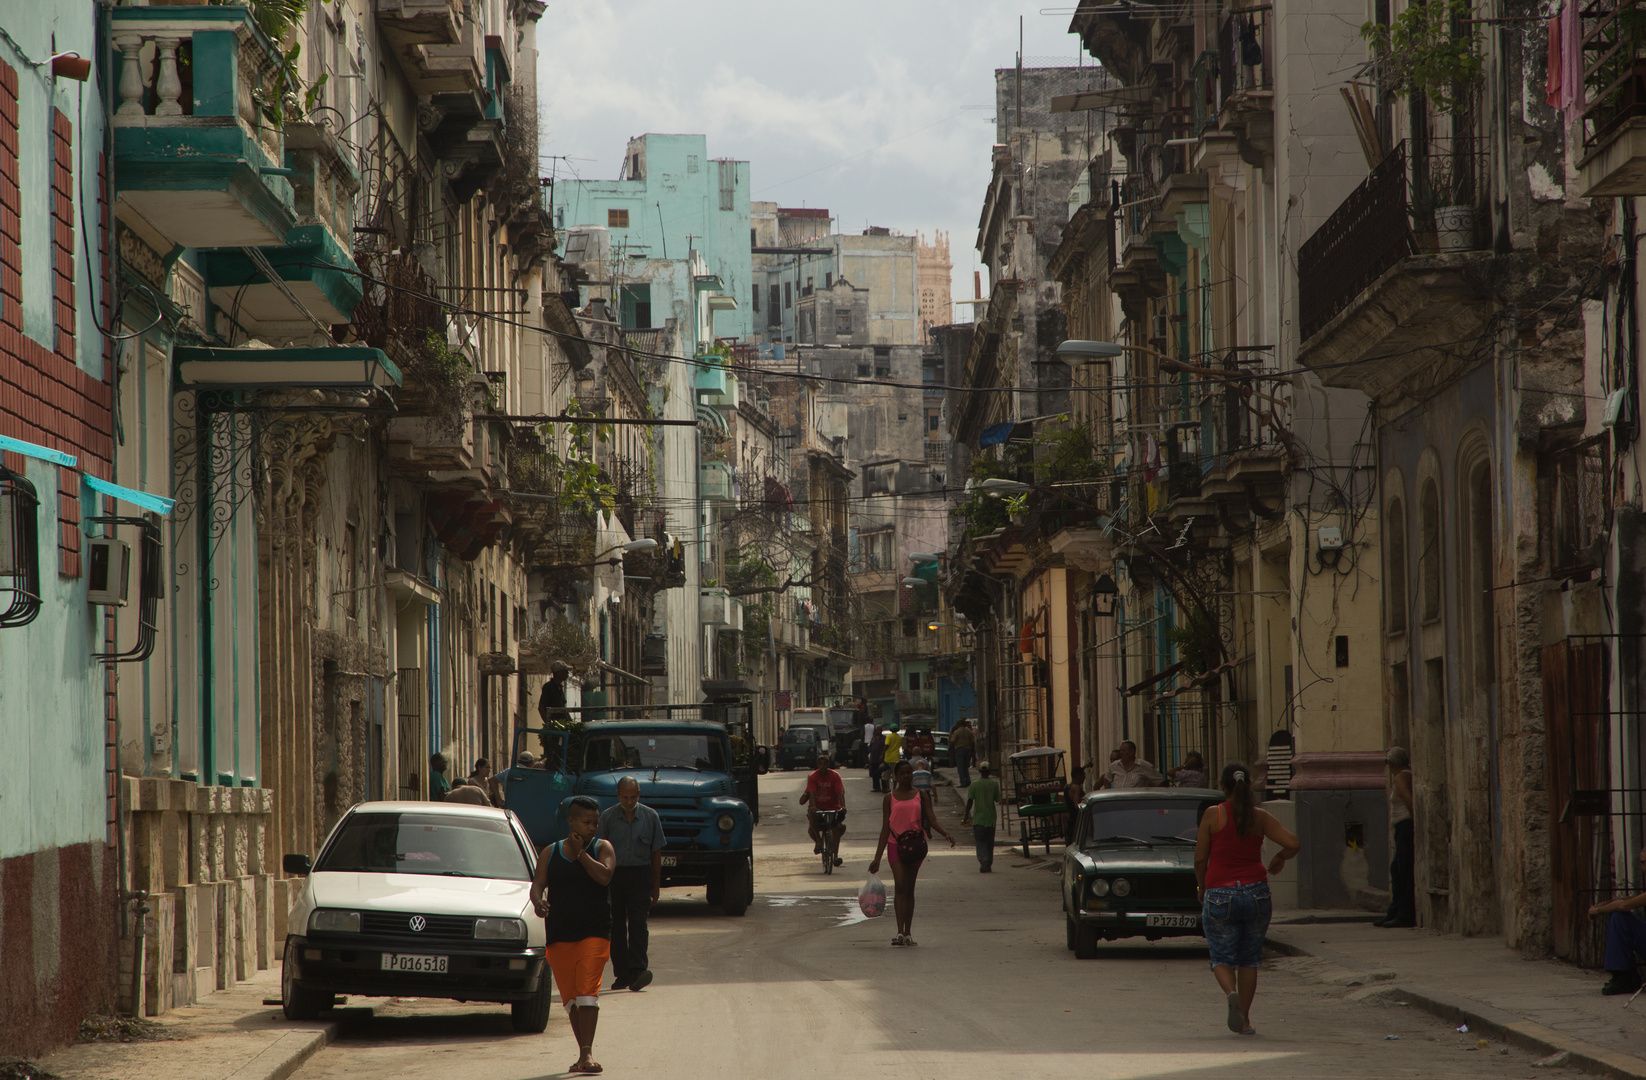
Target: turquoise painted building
[671,203]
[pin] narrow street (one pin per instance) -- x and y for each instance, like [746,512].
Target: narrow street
[804,986]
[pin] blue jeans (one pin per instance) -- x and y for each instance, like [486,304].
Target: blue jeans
[962,767]
[1625,941]
[1235,919]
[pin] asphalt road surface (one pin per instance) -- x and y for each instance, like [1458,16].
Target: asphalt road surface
[804,986]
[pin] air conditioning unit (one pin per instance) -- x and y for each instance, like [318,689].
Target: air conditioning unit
[108,574]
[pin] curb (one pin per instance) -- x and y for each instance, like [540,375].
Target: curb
[287,1054]
[1488,1020]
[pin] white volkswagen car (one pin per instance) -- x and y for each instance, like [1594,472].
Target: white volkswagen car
[418,899]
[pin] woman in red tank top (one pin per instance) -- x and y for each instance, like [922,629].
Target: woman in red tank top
[1234,888]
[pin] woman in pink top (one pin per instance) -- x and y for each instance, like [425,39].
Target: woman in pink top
[1234,888]
[904,813]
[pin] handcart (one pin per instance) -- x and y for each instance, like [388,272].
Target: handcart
[1038,783]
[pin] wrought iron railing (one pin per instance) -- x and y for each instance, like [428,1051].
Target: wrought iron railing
[1390,216]
[1244,46]
[1241,413]
[1614,67]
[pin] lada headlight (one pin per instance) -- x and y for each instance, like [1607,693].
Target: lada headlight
[1122,887]
[1100,886]
[725,823]
[499,930]
[324,921]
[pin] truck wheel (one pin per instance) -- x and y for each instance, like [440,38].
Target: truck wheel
[737,889]
[531,1016]
[296,1002]
[1085,942]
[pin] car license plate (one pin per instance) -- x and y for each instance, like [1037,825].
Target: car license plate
[1172,920]
[671,860]
[429,965]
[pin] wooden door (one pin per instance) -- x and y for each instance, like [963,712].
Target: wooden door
[1575,711]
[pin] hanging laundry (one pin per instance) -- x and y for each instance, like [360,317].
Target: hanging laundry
[1251,53]
[1555,64]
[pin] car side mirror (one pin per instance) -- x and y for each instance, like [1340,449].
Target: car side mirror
[297,865]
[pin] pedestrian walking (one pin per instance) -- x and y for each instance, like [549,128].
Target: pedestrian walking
[1234,888]
[905,816]
[1192,773]
[1403,867]
[438,784]
[962,744]
[877,760]
[982,798]
[569,891]
[892,754]
[635,833]
[1072,794]
[1127,770]
[1625,940]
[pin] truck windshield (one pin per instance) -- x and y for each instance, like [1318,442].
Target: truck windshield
[1152,822]
[653,750]
[444,845]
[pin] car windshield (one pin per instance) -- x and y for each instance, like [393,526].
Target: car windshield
[653,750]
[800,735]
[1142,822]
[420,843]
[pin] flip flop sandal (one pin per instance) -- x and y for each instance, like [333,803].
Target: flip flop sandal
[1237,1019]
[591,1067]
[1249,1031]
[909,941]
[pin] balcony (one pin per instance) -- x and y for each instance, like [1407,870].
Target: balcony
[1614,96]
[713,381]
[198,161]
[715,608]
[1396,269]
[714,482]
[420,22]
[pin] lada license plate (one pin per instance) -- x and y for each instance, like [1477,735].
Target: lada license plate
[427,965]
[1172,920]
[671,860]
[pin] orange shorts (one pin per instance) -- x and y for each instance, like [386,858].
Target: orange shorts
[578,967]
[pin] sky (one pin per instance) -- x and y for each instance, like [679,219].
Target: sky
[880,110]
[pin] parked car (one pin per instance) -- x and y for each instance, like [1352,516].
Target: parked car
[942,755]
[798,747]
[1130,870]
[416,899]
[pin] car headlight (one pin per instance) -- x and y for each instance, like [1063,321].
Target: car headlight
[334,922]
[1122,887]
[1100,886]
[725,823]
[499,929]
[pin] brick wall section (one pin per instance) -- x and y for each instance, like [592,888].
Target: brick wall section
[49,400]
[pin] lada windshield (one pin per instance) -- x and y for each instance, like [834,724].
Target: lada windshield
[1142,822]
[653,750]
[447,846]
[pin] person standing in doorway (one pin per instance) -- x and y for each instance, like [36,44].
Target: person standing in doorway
[1234,888]
[438,784]
[962,744]
[1403,867]
[635,833]
[906,815]
[982,799]
[569,891]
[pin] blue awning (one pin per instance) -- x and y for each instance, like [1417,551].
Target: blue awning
[39,453]
[995,434]
[157,504]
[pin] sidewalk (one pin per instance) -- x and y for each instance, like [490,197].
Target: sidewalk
[228,1035]
[1543,1006]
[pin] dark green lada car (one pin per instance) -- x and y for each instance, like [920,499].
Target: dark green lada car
[1130,870]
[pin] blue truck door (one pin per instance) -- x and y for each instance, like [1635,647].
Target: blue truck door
[535,794]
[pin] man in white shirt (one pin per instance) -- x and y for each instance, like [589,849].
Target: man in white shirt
[1130,771]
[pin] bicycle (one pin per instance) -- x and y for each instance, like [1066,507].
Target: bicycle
[828,824]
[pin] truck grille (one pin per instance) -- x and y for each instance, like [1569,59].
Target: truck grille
[397,924]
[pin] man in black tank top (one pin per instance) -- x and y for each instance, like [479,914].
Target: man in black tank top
[570,891]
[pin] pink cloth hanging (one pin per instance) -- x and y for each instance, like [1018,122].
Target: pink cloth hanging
[1556,65]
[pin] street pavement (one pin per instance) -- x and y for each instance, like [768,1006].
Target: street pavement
[804,986]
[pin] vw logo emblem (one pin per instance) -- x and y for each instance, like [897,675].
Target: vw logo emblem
[417,922]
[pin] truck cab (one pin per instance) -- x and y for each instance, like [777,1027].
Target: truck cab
[686,774]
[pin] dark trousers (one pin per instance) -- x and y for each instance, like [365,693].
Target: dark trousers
[875,766]
[631,891]
[1402,882]
[963,767]
[983,835]
[1625,941]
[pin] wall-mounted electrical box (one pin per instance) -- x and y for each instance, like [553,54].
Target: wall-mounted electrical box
[1331,538]
[108,572]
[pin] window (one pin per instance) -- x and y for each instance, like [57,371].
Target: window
[691,163]
[774,311]
[914,680]
[753,241]
[828,279]
[728,183]
[1429,555]
[863,371]
[1397,568]
[617,219]
[882,372]
[932,419]
[756,300]
[635,312]
[788,294]
[843,321]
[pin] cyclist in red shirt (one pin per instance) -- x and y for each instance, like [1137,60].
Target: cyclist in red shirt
[824,791]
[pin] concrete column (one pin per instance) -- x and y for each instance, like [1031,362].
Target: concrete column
[185,944]
[244,896]
[265,919]
[225,903]
[158,949]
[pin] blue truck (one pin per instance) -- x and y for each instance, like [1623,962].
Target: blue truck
[686,773]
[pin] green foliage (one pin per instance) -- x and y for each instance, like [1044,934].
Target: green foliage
[748,570]
[1065,454]
[1428,49]
[1017,504]
[288,97]
[1197,642]
[575,478]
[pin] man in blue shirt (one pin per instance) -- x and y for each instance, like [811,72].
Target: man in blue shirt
[636,833]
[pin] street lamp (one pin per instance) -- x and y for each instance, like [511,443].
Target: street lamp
[915,582]
[1107,592]
[999,485]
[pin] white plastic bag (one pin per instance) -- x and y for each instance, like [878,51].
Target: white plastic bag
[871,898]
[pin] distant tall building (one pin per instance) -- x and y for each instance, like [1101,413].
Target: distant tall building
[933,272]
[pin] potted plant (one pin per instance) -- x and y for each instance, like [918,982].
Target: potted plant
[1430,48]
